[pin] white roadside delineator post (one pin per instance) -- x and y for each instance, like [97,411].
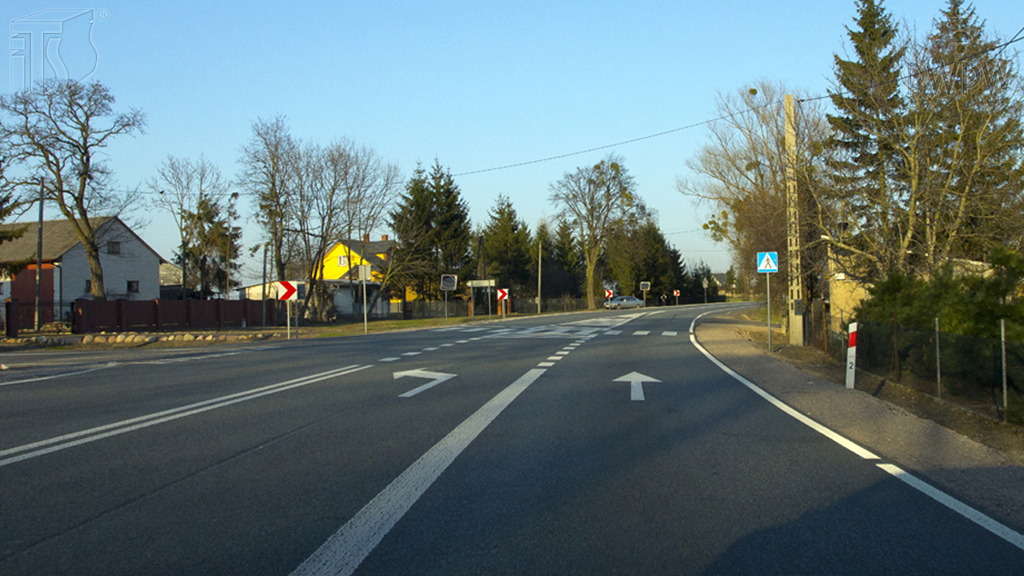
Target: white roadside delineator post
[851,357]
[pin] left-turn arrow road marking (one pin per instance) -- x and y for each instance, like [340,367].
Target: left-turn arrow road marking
[435,379]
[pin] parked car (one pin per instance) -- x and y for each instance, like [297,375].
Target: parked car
[624,302]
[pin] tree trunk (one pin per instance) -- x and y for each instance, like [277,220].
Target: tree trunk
[92,254]
[591,266]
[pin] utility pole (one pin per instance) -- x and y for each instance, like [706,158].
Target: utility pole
[796,293]
[538,276]
[39,258]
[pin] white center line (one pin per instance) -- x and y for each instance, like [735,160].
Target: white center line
[390,359]
[641,333]
[342,553]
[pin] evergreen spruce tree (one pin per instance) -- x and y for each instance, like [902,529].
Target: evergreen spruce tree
[432,228]
[868,103]
[451,227]
[507,244]
[975,148]
[541,246]
[568,257]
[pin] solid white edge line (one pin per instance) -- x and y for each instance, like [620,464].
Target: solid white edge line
[346,549]
[131,425]
[842,441]
[972,514]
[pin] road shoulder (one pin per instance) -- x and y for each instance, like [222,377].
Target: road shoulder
[979,475]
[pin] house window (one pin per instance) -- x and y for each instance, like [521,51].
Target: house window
[133,286]
[342,261]
[113,247]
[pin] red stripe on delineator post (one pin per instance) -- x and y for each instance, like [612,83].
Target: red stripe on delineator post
[851,357]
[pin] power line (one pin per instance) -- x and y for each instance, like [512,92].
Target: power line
[1000,47]
[1016,38]
[606,146]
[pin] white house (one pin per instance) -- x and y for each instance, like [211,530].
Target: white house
[131,269]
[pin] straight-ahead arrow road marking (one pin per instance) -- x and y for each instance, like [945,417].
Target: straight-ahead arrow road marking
[636,384]
[435,379]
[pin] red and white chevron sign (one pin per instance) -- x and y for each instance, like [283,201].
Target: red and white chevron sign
[502,294]
[287,291]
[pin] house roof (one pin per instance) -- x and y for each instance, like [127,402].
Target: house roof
[58,237]
[369,250]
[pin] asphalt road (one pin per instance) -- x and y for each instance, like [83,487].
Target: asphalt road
[600,443]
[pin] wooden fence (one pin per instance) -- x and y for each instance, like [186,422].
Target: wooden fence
[161,315]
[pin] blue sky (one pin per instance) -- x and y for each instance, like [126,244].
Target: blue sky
[476,85]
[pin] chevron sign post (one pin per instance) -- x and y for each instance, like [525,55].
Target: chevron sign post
[503,302]
[768,263]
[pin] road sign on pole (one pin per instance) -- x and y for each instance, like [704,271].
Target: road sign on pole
[768,263]
[607,293]
[287,291]
[448,283]
[502,300]
[676,294]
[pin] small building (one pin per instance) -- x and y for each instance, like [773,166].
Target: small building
[130,266]
[341,274]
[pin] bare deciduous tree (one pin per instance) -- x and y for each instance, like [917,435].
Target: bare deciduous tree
[593,200]
[56,131]
[181,187]
[339,190]
[743,169]
[267,162]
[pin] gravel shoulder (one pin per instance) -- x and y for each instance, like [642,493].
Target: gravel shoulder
[976,460]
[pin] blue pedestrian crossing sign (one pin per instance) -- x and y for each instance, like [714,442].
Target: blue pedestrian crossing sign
[767,262]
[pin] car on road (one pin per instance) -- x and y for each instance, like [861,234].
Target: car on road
[624,302]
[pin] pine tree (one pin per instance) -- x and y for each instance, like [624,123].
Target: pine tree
[568,259]
[451,229]
[976,165]
[432,228]
[867,98]
[507,243]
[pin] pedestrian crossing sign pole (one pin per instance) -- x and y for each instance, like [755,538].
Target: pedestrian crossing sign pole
[768,263]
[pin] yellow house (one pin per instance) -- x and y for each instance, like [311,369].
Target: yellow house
[341,260]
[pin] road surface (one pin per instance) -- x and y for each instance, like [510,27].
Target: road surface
[598,443]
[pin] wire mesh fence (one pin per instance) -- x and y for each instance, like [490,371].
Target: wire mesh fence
[984,374]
